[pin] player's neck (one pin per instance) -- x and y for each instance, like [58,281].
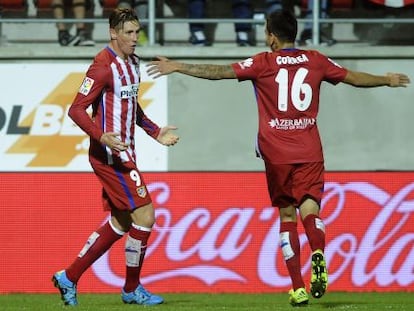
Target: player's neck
[287,45]
[118,52]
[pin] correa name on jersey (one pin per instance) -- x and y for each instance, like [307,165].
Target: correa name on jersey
[290,60]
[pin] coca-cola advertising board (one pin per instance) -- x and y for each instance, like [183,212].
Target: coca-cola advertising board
[215,232]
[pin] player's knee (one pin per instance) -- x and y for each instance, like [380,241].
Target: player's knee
[287,214]
[144,216]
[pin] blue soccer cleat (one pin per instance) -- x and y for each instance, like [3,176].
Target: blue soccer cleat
[141,296]
[66,287]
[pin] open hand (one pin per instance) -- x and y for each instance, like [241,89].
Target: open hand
[166,137]
[398,79]
[162,66]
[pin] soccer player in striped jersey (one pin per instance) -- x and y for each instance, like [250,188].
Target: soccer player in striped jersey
[287,85]
[111,88]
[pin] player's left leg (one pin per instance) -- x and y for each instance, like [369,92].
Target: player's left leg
[143,219]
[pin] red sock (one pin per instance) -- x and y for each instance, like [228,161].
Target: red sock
[289,241]
[98,243]
[135,248]
[315,231]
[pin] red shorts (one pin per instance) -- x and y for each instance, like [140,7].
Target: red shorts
[291,184]
[123,186]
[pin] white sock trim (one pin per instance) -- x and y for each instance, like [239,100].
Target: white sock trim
[116,230]
[141,228]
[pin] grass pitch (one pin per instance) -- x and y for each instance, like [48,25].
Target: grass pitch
[200,302]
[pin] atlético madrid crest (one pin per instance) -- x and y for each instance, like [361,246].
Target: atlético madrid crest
[142,191]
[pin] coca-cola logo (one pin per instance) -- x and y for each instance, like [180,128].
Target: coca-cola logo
[370,240]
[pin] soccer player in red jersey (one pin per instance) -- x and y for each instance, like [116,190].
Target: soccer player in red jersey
[111,88]
[287,83]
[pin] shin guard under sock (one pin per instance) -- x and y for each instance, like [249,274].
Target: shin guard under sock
[135,248]
[315,231]
[289,242]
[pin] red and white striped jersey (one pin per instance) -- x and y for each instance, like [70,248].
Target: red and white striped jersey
[111,87]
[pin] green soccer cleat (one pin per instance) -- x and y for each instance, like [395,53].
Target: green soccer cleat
[319,278]
[298,297]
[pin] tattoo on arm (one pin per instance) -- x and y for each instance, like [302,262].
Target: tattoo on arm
[206,71]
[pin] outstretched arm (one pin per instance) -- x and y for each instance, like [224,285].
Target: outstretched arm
[164,66]
[363,79]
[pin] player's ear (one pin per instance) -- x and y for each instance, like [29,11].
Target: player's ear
[273,42]
[112,33]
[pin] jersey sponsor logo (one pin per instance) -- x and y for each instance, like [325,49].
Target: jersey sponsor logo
[86,86]
[246,63]
[291,124]
[129,91]
[289,60]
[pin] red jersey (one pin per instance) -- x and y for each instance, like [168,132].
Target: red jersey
[287,85]
[111,87]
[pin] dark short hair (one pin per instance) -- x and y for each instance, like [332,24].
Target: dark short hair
[119,17]
[282,24]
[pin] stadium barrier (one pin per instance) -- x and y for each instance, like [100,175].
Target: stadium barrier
[15,11]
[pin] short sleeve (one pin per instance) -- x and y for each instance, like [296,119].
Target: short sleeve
[250,68]
[334,73]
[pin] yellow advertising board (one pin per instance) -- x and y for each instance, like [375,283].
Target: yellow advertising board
[36,132]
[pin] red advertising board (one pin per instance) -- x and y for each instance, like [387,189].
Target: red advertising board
[215,232]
